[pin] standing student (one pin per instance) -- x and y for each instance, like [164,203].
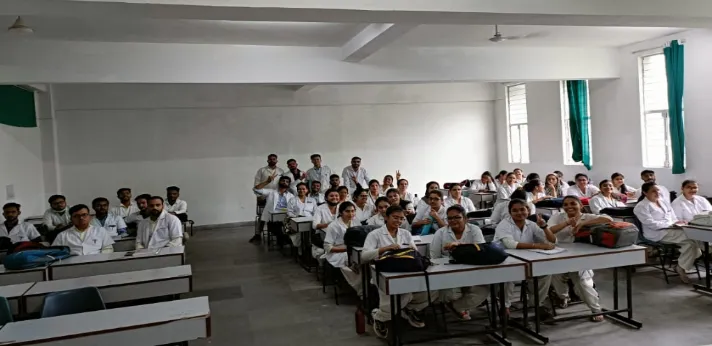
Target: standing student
[432,217]
[113,224]
[661,225]
[379,218]
[335,248]
[355,176]
[57,216]
[160,229]
[486,183]
[315,193]
[500,179]
[175,205]
[271,170]
[565,225]
[343,194]
[297,175]
[619,186]
[553,186]
[387,184]
[648,176]
[456,198]
[335,182]
[374,191]
[319,172]
[83,238]
[403,191]
[517,232]
[394,197]
[535,194]
[689,204]
[424,202]
[277,201]
[326,213]
[458,232]
[126,206]
[13,228]
[519,175]
[582,188]
[363,209]
[142,213]
[505,190]
[605,199]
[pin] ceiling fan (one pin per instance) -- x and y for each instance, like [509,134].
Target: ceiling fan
[497,38]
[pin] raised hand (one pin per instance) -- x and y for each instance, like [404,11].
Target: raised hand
[398,176]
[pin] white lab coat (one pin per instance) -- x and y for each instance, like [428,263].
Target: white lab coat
[423,203]
[96,240]
[52,218]
[167,231]
[424,213]
[335,237]
[112,224]
[471,235]
[686,210]
[575,191]
[178,207]
[322,215]
[380,237]
[464,202]
[530,201]
[566,234]
[500,212]
[600,202]
[363,214]
[504,192]
[510,235]
[123,211]
[321,174]
[408,196]
[372,200]
[264,173]
[480,186]
[655,220]
[296,208]
[23,231]
[318,197]
[664,193]
[271,202]
[628,189]
[361,176]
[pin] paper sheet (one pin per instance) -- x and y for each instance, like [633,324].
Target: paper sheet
[550,252]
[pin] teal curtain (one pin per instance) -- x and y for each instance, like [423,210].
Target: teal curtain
[675,67]
[577,92]
[17,107]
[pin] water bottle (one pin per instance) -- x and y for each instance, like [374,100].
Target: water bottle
[415,200]
[360,322]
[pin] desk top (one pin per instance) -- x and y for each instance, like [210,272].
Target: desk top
[116,279]
[119,256]
[97,322]
[572,250]
[3,270]
[443,266]
[302,219]
[700,227]
[15,291]
[118,239]
[488,193]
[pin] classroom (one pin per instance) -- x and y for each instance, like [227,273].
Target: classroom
[186,137]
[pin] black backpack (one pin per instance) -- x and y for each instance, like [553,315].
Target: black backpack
[356,236]
[478,254]
[619,211]
[401,261]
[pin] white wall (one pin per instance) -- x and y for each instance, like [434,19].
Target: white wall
[21,157]
[211,139]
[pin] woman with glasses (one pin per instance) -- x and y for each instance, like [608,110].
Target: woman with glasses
[582,188]
[433,217]
[456,198]
[363,209]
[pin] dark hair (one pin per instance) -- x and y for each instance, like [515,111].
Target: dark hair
[501,173]
[156,197]
[392,190]
[546,180]
[559,173]
[487,174]
[646,187]
[374,181]
[436,192]
[452,186]
[285,177]
[305,185]
[344,205]
[388,176]
[606,181]
[77,208]
[326,194]
[579,175]
[290,160]
[381,199]
[517,169]
[98,200]
[358,192]
[393,209]
[402,179]
[119,191]
[272,155]
[427,186]
[342,188]
[334,175]
[313,156]
[511,173]
[315,182]
[616,175]
[458,208]
[647,171]
[54,198]
[532,176]
[514,202]
[143,196]
[578,200]
[518,194]
[531,185]
[688,182]
[355,158]
[11,205]
[173,188]
[623,188]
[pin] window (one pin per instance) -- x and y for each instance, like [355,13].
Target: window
[566,130]
[517,128]
[657,151]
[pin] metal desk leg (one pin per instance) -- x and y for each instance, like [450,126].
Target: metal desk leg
[395,319]
[503,312]
[615,288]
[537,322]
[706,257]
[615,314]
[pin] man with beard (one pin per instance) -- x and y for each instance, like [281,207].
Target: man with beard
[355,176]
[264,173]
[334,182]
[14,229]
[326,213]
[160,229]
[295,173]
[648,176]
[315,193]
[134,219]
[277,201]
[126,207]
[113,224]
[57,216]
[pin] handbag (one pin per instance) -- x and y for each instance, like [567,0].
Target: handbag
[478,254]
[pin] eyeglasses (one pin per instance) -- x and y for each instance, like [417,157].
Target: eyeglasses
[454,218]
[434,198]
[81,216]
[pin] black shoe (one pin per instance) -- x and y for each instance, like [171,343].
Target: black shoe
[545,314]
[380,329]
[256,239]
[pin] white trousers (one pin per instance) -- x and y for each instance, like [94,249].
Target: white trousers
[583,286]
[354,279]
[689,249]
[465,298]
[412,301]
[543,293]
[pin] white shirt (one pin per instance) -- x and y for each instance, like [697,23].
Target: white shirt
[166,231]
[52,218]
[627,187]
[321,174]
[500,212]
[112,224]
[372,200]
[471,235]
[295,207]
[510,235]
[408,196]
[95,240]
[271,202]
[664,193]
[123,211]
[530,200]
[600,202]
[504,192]
[361,176]
[363,214]
[23,231]
[655,220]
[464,202]
[335,237]
[318,197]
[380,237]
[424,213]
[178,207]
[323,215]
[264,173]
[423,203]
[566,235]
[686,210]
[480,186]
[589,191]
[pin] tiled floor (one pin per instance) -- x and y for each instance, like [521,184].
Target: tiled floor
[263,298]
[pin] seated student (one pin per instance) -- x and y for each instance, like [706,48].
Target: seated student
[455,198]
[83,238]
[457,232]
[57,216]
[387,184]
[564,184]
[343,194]
[535,194]
[374,191]
[301,205]
[335,248]
[648,176]
[605,199]
[334,182]
[553,186]
[113,224]
[424,202]
[175,206]
[13,228]
[659,221]
[519,177]
[391,237]
[126,206]
[363,209]
[689,204]
[565,225]
[379,218]
[160,229]
[530,177]
[582,187]
[142,213]
[505,190]
[501,210]
[315,193]
[486,183]
[500,179]
[277,201]
[619,186]
[432,217]
[517,232]
[403,191]
[326,213]
[395,199]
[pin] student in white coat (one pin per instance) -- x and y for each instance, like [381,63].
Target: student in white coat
[424,202]
[459,300]
[57,216]
[386,238]
[297,175]
[582,188]
[605,199]
[301,205]
[486,183]
[343,194]
[519,176]
[565,225]
[395,199]
[126,206]
[648,176]
[142,213]
[319,172]
[553,186]
[315,192]
[355,176]
[535,194]
[403,191]
[113,224]
[379,218]
[374,191]
[501,210]
[388,183]
[83,238]
[324,215]
[271,170]
[689,204]
[335,248]
[363,209]
[505,190]
[175,205]
[13,228]
[277,202]
[660,224]
[160,229]
[455,198]
[433,217]
[620,187]
[517,232]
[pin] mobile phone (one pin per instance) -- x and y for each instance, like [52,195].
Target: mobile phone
[129,254]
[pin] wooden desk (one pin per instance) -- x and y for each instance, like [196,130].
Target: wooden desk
[117,262]
[14,294]
[118,287]
[12,277]
[703,234]
[142,325]
[122,244]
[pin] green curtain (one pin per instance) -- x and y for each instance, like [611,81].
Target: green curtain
[675,68]
[577,92]
[17,107]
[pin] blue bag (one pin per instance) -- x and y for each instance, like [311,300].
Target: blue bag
[33,258]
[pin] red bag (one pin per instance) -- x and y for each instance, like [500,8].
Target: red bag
[584,200]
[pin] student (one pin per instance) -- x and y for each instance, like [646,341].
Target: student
[355,176]
[486,183]
[126,206]
[519,176]
[315,193]
[565,225]
[648,176]
[432,217]
[659,225]
[500,179]
[319,173]
[160,229]
[387,184]
[13,228]
[456,198]
[403,191]
[530,177]
[297,175]
[57,217]
[379,218]
[374,191]
[391,237]
[301,205]
[582,188]
[343,194]
[505,190]
[605,199]
[517,232]
[535,194]
[363,209]
[424,202]
[83,238]
[394,197]
[457,232]
[619,186]
[142,213]
[335,248]
[271,170]
[175,206]
[335,182]
[501,210]
[113,224]
[689,204]
[564,184]
[277,201]
[326,213]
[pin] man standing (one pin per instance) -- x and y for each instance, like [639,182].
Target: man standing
[160,229]
[126,207]
[57,216]
[176,206]
[14,229]
[271,170]
[355,175]
[113,224]
[295,173]
[277,201]
[83,238]
[319,173]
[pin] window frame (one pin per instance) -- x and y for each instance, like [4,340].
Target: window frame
[645,118]
[567,149]
[522,130]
